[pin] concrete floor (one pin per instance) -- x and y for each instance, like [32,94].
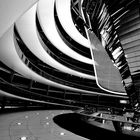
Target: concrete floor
[34,125]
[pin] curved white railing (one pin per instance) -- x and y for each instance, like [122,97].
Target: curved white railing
[47,22]
[26,27]
[63,8]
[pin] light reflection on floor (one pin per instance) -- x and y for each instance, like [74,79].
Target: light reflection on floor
[34,125]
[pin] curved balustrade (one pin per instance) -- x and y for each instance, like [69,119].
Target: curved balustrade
[52,85]
[47,22]
[32,96]
[89,89]
[34,45]
[60,56]
[108,77]
[8,51]
[22,93]
[106,26]
[65,98]
[35,91]
[67,29]
[59,78]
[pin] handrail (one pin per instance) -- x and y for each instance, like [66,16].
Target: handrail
[43,73]
[62,58]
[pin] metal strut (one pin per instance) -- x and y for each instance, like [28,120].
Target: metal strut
[98,19]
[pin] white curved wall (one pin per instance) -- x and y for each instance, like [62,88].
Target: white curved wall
[27,29]
[10,10]
[9,56]
[63,8]
[47,21]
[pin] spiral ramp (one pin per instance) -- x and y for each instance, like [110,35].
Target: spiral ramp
[45,59]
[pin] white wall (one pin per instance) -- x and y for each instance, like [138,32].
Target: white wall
[10,10]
